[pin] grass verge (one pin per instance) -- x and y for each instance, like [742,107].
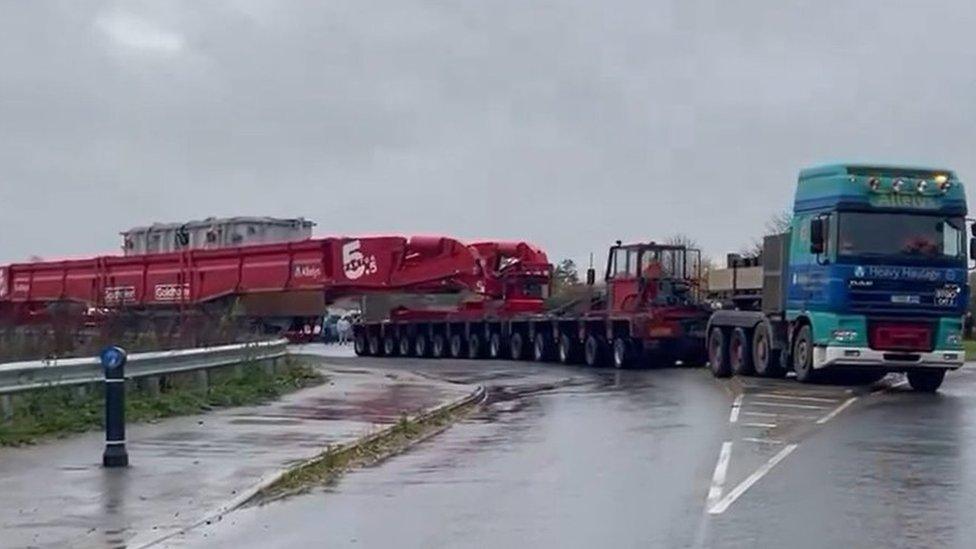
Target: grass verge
[59,411]
[970,346]
[326,468]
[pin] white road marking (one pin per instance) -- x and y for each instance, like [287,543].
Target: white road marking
[760,425]
[752,479]
[718,477]
[762,440]
[796,397]
[791,405]
[736,405]
[900,384]
[836,411]
[783,416]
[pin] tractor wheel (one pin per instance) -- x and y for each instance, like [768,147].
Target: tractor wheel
[764,359]
[740,353]
[718,353]
[803,356]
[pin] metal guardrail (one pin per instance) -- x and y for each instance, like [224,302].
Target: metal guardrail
[37,374]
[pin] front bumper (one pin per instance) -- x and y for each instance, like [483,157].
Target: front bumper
[825,357]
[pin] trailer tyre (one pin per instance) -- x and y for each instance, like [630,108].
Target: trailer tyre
[475,348]
[568,350]
[375,345]
[457,346]
[623,354]
[764,359]
[495,346]
[360,344]
[389,345]
[718,353]
[420,346]
[594,351]
[740,353]
[438,346]
[405,346]
[541,348]
[516,346]
[803,355]
[926,381]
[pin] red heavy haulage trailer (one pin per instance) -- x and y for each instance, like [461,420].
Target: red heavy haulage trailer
[648,310]
[649,314]
[276,285]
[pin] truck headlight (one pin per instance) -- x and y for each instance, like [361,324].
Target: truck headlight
[844,336]
[954,339]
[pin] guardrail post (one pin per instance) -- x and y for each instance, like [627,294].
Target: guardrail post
[150,385]
[113,363]
[202,379]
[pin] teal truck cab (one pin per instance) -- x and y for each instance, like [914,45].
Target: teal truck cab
[871,277]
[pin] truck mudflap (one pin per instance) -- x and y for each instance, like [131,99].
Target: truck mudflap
[825,357]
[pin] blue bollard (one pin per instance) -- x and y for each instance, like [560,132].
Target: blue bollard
[113,364]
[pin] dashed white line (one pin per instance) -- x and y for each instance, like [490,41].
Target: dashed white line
[755,477]
[718,477]
[760,425]
[836,411]
[736,405]
[770,414]
[790,405]
[796,397]
[762,440]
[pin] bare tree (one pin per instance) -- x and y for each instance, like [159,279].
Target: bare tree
[778,223]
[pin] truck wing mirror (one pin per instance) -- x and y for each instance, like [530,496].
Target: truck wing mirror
[972,249]
[817,236]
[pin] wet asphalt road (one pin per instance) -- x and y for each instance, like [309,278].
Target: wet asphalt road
[569,457]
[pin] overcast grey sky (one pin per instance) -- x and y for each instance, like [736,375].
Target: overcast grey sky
[568,123]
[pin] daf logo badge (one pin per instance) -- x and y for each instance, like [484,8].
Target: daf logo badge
[859,271]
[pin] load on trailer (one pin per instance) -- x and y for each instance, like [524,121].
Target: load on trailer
[871,276]
[650,313]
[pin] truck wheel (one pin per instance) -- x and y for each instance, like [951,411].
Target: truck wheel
[438,346]
[622,353]
[764,359]
[516,346]
[389,345]
[568,350]
[803,356]
[495,346]
[594,351]
[718,353]
[541,349]
[360,344]
[474,346]
[740,354]
[375,346]
[926,381]
[457,346]
[405,346]
[420,346]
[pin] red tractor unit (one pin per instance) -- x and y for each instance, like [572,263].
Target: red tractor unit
[649,313]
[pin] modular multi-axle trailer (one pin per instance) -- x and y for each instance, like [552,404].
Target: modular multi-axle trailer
[871,277]
[649,313]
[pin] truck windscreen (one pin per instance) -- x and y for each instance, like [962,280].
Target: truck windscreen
[901,236]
